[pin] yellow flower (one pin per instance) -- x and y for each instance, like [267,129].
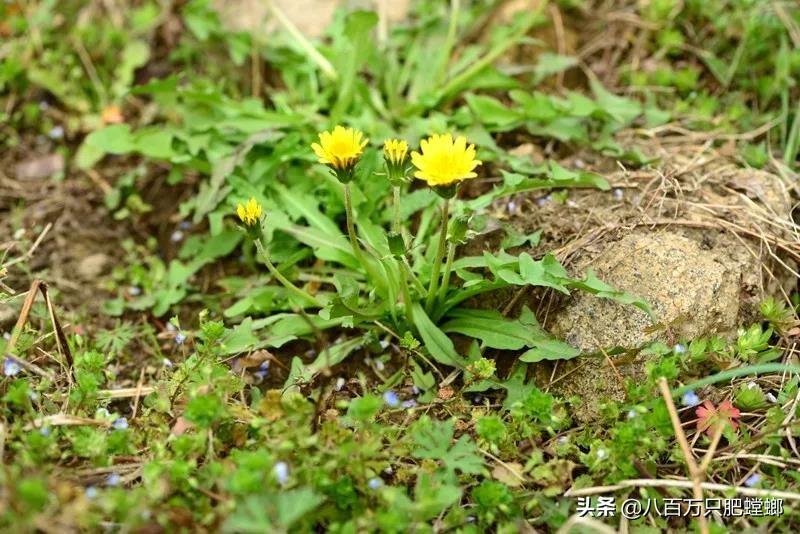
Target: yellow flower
[249,213]
[340,150]
[443,161]
[395,151]
[395,154]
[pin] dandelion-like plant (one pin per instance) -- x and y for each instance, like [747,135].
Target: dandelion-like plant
[443,163]
[250,213]
[340,150]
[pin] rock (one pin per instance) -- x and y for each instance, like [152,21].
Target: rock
[693,292]
[703,246]
[311,17]
[93,266]
[39,167]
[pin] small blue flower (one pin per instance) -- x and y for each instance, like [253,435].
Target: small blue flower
[176,237]
[113,480]
[185,225]
[391,399]
[180,337]
[45,431]
[281,471]
[91,492]
[752,480]
[166,362]
[690,399]
[120,424]
[375,483]
[263,370]
[632,414]
[134,291]
[410,403]
[11,367]
[679,349]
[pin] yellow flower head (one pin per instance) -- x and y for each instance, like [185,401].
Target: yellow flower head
[340,149]
[395,151]
[444,162]
[249,213]
[395,154]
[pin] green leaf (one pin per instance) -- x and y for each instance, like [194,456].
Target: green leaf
[241,338]
[114,139]
[493,113]
[595,286]
[622,109]
[434,440]
[364,408]
[303,206]
[154,143]
[351,52]
[549,64]
[550,349]
[492,328]
[546,272]
[438,344]
[516,387]
[134,55]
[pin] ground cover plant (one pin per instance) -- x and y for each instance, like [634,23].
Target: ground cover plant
[428,266]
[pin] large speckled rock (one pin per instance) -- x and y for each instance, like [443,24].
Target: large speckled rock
[692,291]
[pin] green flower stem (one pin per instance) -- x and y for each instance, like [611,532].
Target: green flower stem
[396,205]
[448,268]
[406,294]
[412,277]
[437,263]
[351,233]
[351,229]
[282,279]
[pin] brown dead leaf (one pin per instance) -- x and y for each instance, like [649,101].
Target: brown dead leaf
[254,359]
[446,393]
[509,473]
[181,426]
